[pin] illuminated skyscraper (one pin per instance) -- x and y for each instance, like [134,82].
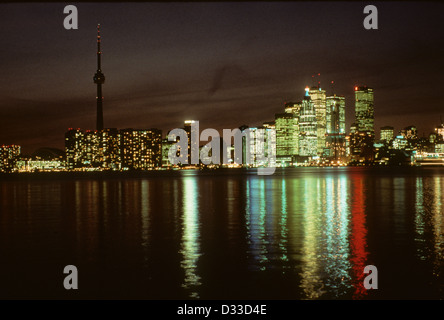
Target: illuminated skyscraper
[361,142]
[335,128]
[335,114]
[141,149]
[287,135]
[364,109]
[110,149]
[261,145]
[188,126]
[91,156]
[73,148]
[308,134]
[99,79]
[318,97]
[387,134]
[113,149]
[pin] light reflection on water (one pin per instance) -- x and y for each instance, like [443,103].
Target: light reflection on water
[190,245]
[298,234]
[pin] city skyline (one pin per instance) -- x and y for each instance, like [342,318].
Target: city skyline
[217,72]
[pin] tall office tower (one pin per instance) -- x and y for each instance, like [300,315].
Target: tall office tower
[318,96]
[188,125]
[91,156]
[308,134]
[361,142]
[74,148]
[166,146]
[387,134]
[335,127]
[99,79]
[141,149]
[354,145]
[110,149]
[261,145]
[364,110]
[287,136]
[335,114]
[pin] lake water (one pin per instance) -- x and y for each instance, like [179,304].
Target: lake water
[302,233]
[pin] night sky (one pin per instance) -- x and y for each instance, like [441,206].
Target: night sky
[224,64]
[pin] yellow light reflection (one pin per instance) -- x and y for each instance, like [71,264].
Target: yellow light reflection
[419,219]
[438,226]
[311,282]
[145,217]
[190,245]
[283,241]
[337,232]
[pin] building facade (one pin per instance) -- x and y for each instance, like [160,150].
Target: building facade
[364,109]
[287,135]
[113,149]
[335,128]
[308,134]
[9,155]
[318,97]
[387,134]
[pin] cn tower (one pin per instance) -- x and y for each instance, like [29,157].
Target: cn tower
[99,79]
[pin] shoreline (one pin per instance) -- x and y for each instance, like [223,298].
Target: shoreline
[135,174]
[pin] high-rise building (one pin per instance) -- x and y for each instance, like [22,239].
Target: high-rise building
[113,149]
[318,97]
[74,148]
[364,109]
[193,144]
[110,148]
[166,146]
[361,141]
[308,134]
[260,146]
[8,157]
[99,79]
[387,134]
[335,128]
[335,114]
[141,149]
[91,156]
[287,135]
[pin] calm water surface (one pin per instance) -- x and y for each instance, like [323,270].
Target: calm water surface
[303,233]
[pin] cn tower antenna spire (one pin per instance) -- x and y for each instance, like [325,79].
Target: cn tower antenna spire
[99,79]
[99,53]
